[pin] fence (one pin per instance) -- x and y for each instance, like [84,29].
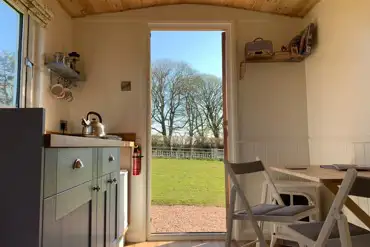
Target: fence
[188,153]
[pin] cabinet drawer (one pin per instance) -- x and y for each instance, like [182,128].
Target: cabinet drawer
[68,201]
[69,176]
[108,160]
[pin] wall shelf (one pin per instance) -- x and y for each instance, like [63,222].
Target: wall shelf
[64,71]
[278,57]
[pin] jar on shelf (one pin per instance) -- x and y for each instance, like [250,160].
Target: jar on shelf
[59,57]
[75,57]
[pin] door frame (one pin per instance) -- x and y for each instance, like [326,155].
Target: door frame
[231,89]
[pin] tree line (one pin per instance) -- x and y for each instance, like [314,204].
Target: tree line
[7,77]
[186,104]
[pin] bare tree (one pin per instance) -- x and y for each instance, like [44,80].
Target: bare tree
[170,82]
[211,103]
[7,76]
[193,113]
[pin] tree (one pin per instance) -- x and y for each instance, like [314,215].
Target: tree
[7,76]
[170,82]
[211,103]
[194,117]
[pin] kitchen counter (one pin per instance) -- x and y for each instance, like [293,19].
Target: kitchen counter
[55,140]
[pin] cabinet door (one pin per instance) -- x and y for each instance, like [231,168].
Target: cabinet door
[114,208]
[102,213]
[67,218]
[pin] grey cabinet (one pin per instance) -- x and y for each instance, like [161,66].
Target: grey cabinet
[57,195]
[95,202]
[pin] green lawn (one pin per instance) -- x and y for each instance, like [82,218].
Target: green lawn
[188,182]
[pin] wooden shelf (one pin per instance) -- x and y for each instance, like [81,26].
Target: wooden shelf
[280,57]
[64,71]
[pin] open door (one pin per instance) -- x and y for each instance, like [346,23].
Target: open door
[225,120]
[166,198]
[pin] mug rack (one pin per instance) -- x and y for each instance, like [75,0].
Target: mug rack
[62,77]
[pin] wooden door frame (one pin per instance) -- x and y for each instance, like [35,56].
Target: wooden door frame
[225,122]
[230,77]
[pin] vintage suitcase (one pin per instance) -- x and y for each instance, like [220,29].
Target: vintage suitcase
[259,47]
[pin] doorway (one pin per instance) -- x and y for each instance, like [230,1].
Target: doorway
[187,183]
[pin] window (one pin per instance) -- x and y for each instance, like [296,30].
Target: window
[11,39]
[17,42]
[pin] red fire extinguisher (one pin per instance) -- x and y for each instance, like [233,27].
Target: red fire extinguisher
[136,168]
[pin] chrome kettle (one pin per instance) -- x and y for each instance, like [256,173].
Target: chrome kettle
[93,127]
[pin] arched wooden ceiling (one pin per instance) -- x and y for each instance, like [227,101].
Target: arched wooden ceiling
[81,8]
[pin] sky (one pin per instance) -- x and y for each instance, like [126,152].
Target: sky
[9,32]
[201,49]
[9,27]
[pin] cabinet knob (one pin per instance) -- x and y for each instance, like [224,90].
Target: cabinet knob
[78,164]
[111,158]
[112,181]
[96,188]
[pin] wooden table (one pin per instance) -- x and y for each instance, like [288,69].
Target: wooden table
[330,178]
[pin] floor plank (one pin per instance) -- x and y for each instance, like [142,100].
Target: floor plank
[185,244]
[179,244]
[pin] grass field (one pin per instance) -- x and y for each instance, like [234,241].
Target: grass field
[188,182]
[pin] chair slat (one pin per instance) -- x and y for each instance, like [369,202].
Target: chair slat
[247,167]
[361,187]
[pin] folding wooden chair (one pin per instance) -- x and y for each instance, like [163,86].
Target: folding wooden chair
[336,231]
[262,212]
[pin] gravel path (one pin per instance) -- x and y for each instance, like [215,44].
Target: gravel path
[181,218]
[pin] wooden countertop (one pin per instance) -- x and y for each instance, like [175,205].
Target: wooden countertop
[54,140]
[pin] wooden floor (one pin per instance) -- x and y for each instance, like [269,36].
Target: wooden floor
[179,244]
[187,244]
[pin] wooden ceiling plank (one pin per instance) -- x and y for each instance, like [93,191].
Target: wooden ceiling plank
[80,8]
[72,7]
[101,6]
[307,7]
[127,4]
[291,7]
[116,5]
[270,6]
[87,7]
[257,5]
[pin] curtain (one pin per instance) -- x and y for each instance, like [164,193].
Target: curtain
[35,8]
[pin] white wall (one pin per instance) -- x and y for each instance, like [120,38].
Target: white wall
[271,98]
[272,109]
[337,77]
[56,37]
